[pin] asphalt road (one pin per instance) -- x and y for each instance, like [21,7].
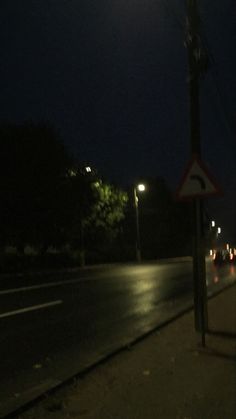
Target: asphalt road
[54,326]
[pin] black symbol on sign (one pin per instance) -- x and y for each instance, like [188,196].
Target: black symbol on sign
[200,180]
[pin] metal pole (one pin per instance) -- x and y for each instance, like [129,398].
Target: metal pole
[199,275]
[138,246]
[82,249]
[193,48]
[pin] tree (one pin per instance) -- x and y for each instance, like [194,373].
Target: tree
[103,225]
[33,161]
[79,199]
[45,199]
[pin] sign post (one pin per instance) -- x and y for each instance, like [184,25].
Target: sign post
[199,272]
[196,184]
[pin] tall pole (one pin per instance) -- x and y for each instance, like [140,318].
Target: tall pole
[138,246]
[193,47]
[194,66]
[82,249]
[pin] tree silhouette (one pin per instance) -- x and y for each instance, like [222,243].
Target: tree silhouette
[33,162]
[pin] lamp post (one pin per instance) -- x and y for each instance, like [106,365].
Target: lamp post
[86,171]
[138,188]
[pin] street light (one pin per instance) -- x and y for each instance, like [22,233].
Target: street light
[138,188]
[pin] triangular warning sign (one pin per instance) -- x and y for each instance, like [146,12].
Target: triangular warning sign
[197,181]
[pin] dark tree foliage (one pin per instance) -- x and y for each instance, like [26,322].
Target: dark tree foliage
[79,199]
[45,200]
[49,201]
[33,162]
[165,224]
[104,225]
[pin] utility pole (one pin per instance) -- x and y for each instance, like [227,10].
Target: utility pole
[193,47]
[195,62]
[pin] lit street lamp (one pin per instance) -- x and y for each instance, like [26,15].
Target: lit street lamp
[138,188]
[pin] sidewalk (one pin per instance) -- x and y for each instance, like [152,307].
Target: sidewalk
[168,375]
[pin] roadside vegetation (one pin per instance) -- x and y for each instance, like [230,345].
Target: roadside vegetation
[57,212]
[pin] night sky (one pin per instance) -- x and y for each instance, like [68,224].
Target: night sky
[111,76]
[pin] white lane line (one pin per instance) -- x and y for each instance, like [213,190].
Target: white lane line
[36,287]
[26,309]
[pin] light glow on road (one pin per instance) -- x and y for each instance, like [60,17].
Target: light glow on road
[142,286]
[32,308]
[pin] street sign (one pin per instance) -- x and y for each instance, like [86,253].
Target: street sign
[197,181]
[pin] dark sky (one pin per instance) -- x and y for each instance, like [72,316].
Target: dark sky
[111,75]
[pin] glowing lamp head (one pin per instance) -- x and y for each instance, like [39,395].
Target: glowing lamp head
[141,187]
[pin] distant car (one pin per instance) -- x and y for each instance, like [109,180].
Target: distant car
[218,257]
[221,256]
[232,255]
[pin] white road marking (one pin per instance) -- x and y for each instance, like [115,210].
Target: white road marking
[36,287]
[26,309]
